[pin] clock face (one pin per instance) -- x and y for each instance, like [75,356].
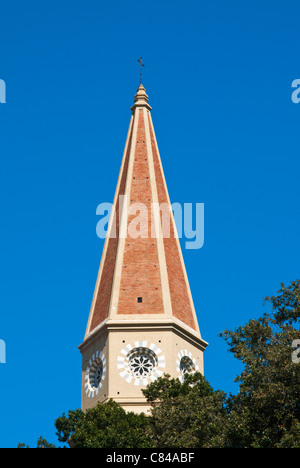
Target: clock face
[95,374]
[142,363]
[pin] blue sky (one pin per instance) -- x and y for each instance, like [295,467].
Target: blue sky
[218,75]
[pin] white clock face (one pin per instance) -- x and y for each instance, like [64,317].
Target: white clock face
[141,364]
[95,374]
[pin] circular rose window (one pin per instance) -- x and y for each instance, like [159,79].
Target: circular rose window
[95,374]
[141,364]
[186,363]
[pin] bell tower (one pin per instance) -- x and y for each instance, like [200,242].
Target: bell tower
[142,321]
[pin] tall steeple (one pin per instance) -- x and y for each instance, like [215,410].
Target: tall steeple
[142,321]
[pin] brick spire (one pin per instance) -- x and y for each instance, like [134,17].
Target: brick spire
[142,279]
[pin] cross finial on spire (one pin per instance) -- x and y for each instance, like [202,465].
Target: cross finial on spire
[140,60]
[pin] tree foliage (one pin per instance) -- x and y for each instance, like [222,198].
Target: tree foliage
[104,426]
[186,415]
[266,410]
[265,413]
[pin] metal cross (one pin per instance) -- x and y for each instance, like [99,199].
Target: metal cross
[140,60]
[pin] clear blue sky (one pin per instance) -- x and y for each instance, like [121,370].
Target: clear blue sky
[218,75]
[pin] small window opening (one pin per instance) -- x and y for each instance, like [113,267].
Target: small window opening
[140,299]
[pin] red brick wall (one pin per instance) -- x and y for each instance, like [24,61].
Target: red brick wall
[181,306]
[140,269]
[101,308]
[140,275]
